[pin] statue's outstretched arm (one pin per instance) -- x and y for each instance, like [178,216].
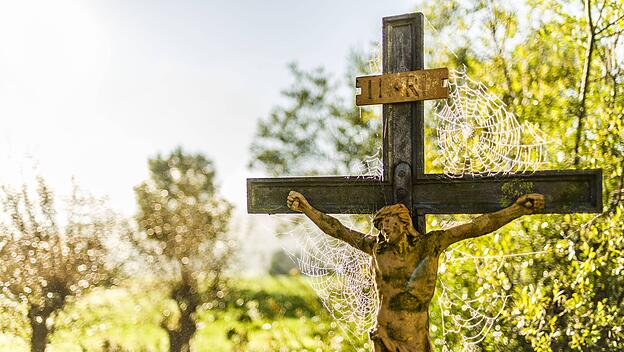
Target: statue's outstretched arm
[331,226]
[486,223]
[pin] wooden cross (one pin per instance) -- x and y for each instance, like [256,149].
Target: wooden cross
[404,180]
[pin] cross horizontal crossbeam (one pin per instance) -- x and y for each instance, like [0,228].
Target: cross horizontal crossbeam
[404,179]
[565,191]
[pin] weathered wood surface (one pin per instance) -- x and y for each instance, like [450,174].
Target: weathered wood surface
[334,195]
[402,87]
[403,45]
[404,180]
[565,191]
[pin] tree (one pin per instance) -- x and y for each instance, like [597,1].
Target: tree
[282,264]
[46,261]
[316,132]
[183,225]
[557,64]
[563,70]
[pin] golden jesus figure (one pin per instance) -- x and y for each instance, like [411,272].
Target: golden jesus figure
[406,263]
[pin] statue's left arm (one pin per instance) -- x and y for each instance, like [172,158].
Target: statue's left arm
[486,223]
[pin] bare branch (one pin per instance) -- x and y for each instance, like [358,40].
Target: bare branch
[609,25]
[584,82]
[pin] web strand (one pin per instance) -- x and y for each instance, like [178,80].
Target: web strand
[342,276]
[478,136]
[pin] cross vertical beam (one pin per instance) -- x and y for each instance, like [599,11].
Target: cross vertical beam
[403,123]
[404,180]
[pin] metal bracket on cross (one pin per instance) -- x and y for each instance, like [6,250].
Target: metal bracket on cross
[402,89]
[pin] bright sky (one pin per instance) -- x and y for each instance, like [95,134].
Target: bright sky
[92,89]
[95,88]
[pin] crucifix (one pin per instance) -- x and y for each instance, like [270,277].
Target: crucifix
[404,179]
[406,260]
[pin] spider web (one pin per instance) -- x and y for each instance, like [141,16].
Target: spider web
[477,135]
[467,318]
[342,276]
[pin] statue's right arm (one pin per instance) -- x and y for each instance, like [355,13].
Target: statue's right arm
[330,225]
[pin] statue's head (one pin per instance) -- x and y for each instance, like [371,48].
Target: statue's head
[394,221]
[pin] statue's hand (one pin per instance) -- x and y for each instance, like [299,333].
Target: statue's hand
[531,203]
[297,202]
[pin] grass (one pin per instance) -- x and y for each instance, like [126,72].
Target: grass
[279,313]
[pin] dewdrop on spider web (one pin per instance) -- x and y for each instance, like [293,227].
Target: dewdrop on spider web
[477,135]
[342,276]
[371,166]
[470,317]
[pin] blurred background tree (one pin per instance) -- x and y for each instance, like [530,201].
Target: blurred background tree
[47,261]
[282,264]
[317,130]
[557,64]
[183,225]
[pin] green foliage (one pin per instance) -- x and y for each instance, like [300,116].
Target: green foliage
[257,315]
[559,65]
[181,214]
[48,260]
[570,297]
[282,264]
[183,227]
[577,303]
[316,132]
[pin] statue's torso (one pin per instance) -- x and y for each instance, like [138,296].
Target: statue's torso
[406,284]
